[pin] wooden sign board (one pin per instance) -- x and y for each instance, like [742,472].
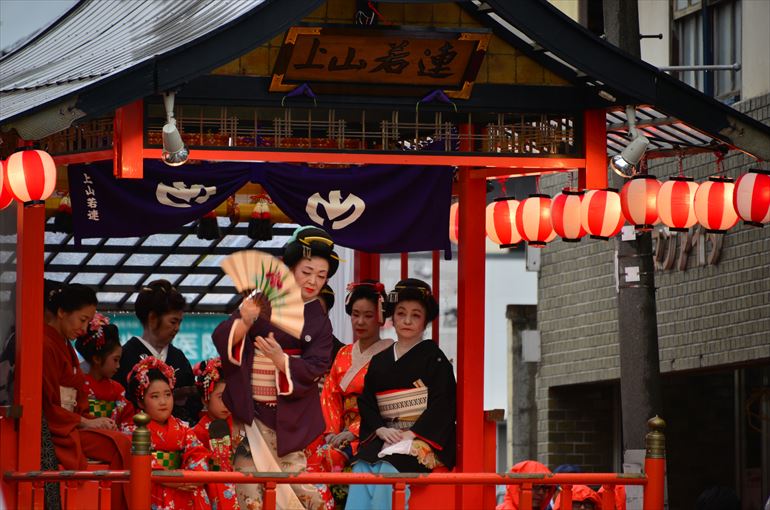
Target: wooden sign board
[377,61]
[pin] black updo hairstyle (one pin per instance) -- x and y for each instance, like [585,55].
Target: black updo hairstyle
[69,298]
[153,374]
[308,242]
[158,296]
[89,348]
[368,289]
[412,289]
[327,296]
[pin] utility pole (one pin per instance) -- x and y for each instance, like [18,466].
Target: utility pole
[640,387]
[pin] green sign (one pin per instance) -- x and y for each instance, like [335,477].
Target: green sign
[194,337]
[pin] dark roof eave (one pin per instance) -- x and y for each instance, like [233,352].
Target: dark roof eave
[172,69]
[632,77]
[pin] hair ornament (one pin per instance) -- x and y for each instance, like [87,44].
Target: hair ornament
[140,374]
[378,288]
[207,374]
[95,331]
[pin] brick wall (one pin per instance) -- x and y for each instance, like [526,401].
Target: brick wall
[582,427]
[707,316]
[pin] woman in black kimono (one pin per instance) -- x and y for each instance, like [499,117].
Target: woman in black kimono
[159,308]
[408,404]
[272,377]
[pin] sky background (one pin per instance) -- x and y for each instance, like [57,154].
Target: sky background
[21,18]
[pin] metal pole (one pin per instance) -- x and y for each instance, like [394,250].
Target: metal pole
[637,320]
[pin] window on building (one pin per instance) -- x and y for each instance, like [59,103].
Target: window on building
[708,32]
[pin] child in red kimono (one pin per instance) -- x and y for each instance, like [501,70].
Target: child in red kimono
[76,434]
[174,445]
[215,430]
[100,347]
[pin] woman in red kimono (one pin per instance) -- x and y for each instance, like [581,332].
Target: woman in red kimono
[174,445]
[365,303]
[77,435]
[100,347]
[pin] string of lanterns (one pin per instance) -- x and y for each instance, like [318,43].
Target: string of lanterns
[679,203]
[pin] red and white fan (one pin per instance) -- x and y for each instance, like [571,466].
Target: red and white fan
[273,281]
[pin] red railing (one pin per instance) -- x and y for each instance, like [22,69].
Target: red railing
[141,476]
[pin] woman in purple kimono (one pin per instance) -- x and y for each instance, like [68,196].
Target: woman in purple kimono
[272,377]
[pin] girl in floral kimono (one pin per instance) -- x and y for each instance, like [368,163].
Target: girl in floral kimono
[365,303]
[174,445]
[215,430]
[407,405]
[100,347]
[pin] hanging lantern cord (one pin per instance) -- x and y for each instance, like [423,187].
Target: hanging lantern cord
[537,184]
[680,162]
[720,157]
[501,182]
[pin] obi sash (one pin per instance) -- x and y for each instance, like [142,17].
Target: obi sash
[168,460]
[264,377]
[401,408]
[101,408]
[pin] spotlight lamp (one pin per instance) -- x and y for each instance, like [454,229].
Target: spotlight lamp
[624,163]
[175,152]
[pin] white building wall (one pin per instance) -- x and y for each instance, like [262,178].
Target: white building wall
[655,18]
[756,48]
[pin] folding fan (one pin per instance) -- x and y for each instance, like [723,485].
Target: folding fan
[274,282]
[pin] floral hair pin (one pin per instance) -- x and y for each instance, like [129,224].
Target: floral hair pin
[95,331]
[141,370]
[207,374]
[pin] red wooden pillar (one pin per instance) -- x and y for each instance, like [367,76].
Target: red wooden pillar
[30,249]
[436,288]
[594,175]
[367,266]
[128,141]
[404,266]
[470,333]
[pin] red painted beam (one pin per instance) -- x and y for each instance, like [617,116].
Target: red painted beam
[594,175]
[84,157]
[30,248]
[470,333]
[128,141]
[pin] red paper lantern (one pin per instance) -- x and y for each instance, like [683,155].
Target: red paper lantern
[5,196]
[676,203]
[565,215]
[454,222]
[533,220]
[30,176]
[601,214]
[501,222]
[751,197]
[639,201]
[714,205]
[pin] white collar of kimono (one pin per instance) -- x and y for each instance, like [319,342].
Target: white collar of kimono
[359,359]
[160,354]
[395,351]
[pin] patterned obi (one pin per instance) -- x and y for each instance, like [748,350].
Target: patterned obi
[263,377]
[101,408]
[350,410]
[168,460]
[401,408]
